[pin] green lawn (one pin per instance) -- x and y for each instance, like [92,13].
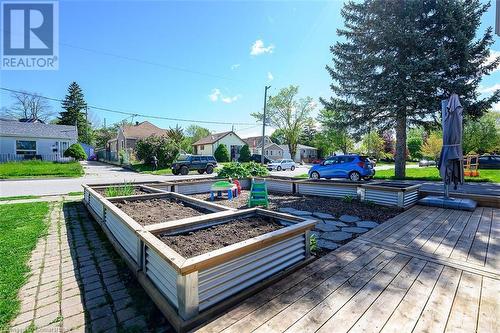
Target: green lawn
[432,173]
[19,197]
[39,169]
[19,232]
[147,168]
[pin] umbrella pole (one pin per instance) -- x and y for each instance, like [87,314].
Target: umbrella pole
[446,191]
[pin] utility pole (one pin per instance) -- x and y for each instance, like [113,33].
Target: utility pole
[264,125]
[87,123]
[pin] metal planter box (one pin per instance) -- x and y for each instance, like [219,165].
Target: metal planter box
[390,194]
[327,188]
[122,227]
[280,185]
[194,288]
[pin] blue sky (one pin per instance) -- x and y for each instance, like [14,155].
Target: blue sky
[124,55]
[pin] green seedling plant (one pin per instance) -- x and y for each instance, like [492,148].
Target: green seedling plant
[119,191]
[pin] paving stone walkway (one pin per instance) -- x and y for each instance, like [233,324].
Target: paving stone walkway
[77,283]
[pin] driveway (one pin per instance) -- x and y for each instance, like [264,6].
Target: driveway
[95,173]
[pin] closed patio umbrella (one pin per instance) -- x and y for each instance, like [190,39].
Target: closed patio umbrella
[450,164]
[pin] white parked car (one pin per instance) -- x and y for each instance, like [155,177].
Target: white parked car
[283,164]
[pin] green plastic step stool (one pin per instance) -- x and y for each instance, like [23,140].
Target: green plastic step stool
[258,194]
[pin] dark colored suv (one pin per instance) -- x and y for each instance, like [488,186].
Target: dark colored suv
[200,163]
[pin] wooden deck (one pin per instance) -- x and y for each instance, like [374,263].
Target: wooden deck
[426,270]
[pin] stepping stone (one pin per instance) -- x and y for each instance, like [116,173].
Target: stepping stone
[367,224]
[302,213]
[355,230]
[285,223]
[349,218]
[326,227]
[323,215]
[336,223]
[336,236]
[287,210]
[326,244]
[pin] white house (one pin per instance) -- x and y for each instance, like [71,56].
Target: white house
[304,153]
[208,144]
[271,150]
[21,140]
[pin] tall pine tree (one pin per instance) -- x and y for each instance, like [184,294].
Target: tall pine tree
[398,59]
[74,105]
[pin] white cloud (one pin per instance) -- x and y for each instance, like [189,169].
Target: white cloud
[493,55]
[229,99]
[491,89]
[496,107]
[214,96]
[235,67]
[270,76]
[259,48]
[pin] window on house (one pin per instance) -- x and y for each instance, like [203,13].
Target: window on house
[24,147]
[202,147]
[123,144]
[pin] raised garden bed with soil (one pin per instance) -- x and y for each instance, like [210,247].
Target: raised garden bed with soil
[333,206]
[403,195]
[159,210]
[193,243]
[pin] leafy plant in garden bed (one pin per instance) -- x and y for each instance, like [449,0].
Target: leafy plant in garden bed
[238,170]
[119,191]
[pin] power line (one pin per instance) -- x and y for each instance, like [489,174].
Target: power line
[134,114]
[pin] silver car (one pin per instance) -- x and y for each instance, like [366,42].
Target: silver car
[283,164]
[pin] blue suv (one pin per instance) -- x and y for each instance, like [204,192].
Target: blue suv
[353,167]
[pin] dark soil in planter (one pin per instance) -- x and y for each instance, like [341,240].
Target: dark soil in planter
[336,207]
[154,211]
[201,241]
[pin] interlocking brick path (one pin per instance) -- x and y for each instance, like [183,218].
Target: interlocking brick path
[79,284]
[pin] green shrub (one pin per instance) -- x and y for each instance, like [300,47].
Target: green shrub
[313,243]
[238,170]
[245,154]
[221,154]
[162,147]
[76,151]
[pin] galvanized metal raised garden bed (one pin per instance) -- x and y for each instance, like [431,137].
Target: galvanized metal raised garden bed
[191,290]
[327,188]
[194,285]
[390,193]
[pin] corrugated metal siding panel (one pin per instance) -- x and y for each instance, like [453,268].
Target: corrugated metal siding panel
[245,184]
[276,186]
[381,197]
[165,188]
[194,188]
[222,281]
[410,198]
[86,195]
[126,237]
[96,205]
[162,275]
[327,191]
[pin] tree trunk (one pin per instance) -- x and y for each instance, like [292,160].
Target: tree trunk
[293,150]
[400,156]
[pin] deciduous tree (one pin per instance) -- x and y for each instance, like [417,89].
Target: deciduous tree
[289,114]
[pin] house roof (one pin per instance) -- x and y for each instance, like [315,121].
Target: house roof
[273,145]
[299,146]
[37,130]
[142,130]
[212,138]
[255,141]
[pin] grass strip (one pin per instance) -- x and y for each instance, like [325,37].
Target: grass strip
[21,225]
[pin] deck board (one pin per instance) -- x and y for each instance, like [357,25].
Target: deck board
[426,270]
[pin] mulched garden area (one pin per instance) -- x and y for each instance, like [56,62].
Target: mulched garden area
[152,211]
[218,236]
[335,207]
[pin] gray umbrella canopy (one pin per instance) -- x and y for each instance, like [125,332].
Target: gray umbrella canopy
[451,160]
